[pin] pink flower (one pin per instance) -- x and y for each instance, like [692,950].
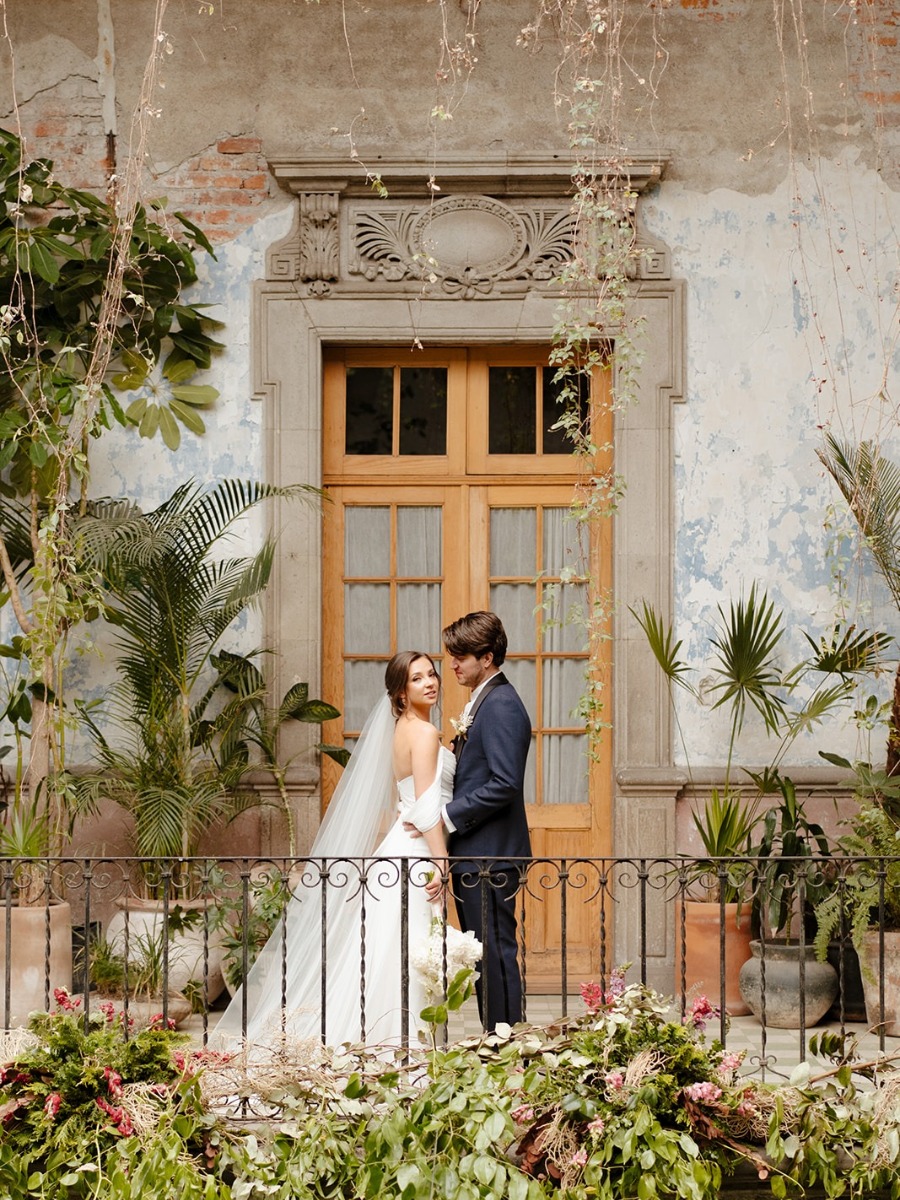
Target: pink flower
[597,1126]
[118,1116]
[113,1081]
[157,1022]
[52,1103]
[523,1115]
[701,1012]
[579,1158]
[616,983]
[731,1062]
[592,995]
[64,1001]
[703,1093]
[614,1080]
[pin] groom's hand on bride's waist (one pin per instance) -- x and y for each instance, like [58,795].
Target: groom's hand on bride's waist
[411,829]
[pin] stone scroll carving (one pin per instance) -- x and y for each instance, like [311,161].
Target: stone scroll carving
[319,244]
[311,251]
[466,244]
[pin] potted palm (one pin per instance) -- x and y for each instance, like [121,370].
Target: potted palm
[176,767]
[744,676]
[714,914]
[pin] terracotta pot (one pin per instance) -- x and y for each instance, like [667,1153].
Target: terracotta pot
[186,948]
[782,984]
[871,988]
[30,964]
[703,932]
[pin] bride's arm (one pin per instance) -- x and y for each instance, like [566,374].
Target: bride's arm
[425,754]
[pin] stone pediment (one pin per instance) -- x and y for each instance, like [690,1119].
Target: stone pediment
[494,227]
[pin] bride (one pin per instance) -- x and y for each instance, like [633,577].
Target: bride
[348,912]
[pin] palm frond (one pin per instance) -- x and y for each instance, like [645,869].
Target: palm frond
[745,641]
[870,483]
[819,705]
[661,640]
[15,528]
[848,651]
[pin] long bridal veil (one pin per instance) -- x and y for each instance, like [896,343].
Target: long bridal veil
[282,998]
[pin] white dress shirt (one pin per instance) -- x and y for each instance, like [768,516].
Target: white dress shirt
[467,708]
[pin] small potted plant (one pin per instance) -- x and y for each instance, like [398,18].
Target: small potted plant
[791,875]
[865,896]
[136,981]
[244,928]
[715,914]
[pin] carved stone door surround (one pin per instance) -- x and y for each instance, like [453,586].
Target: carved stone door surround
[470,258]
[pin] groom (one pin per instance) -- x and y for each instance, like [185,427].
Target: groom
[486,817]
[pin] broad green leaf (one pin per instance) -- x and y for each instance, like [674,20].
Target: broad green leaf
[150,421]
[168,427]
[800,1075]
[484,1170]
[314,712]
[178,369]
[38,454]
[135,411]
[43,263]
[192,420]
[201,395]
[495,1125]
[129,382]
[408,1173]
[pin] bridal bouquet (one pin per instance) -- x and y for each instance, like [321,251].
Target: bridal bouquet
[463,952]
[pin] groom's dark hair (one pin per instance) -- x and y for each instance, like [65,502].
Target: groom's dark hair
[477,633]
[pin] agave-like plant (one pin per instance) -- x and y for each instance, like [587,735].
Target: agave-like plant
[172,593]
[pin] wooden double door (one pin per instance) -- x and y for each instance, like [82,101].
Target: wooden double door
[449,492]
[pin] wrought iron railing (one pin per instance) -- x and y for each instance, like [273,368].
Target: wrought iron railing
[120,927]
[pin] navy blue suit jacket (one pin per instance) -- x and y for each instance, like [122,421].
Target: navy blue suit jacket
[488,805]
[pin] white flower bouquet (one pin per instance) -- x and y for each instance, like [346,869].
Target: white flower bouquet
[463,952]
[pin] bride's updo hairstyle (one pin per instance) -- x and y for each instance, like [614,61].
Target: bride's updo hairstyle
[396,677]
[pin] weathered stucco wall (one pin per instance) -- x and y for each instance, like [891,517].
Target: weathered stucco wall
[780,207]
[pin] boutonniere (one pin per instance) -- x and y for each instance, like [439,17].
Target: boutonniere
[461,725]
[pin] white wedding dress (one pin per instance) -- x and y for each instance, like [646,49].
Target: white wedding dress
[358,904]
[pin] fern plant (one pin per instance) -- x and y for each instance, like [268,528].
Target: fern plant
[866,892]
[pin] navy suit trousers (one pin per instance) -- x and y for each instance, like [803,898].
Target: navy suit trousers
[486,905]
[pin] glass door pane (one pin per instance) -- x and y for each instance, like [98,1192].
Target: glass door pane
[529,548]
[392,594]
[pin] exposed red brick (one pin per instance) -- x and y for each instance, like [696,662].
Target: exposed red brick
[50,127]
[254,182]
[239,145]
